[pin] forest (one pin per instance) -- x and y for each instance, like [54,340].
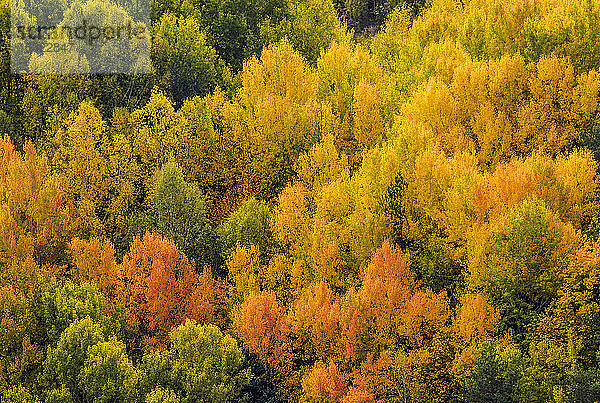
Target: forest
[303,201]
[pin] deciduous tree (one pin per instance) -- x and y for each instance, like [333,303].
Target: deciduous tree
[162,289]
[265,328]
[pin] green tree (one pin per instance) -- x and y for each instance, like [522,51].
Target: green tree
[522,262]
[63,303]
[234,28]
[178,211]
[18,394]
[107,374]
[207,364]
[65,361]
[185,64]
[314,26]
[201,365]
[248,225]
[21,352]
[495,374]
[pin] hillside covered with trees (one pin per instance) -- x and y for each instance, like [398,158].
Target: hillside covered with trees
[295,207]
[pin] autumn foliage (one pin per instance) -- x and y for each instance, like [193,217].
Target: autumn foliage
[284,210]
[265,327]
[161,289]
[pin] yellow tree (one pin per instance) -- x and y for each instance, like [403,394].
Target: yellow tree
[315,316]
[279,97]
[96,172]
[243,271]
[154,135]
[37,218]
[349,80]
[291,220]
[476,321]
[211,151]
[369,126]
[94,261]
[505,108]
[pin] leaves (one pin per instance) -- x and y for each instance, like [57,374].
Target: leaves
[264,327]
[162,289]
[179,214]
[406,215]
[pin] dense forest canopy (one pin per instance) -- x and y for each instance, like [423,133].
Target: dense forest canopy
[305,201]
